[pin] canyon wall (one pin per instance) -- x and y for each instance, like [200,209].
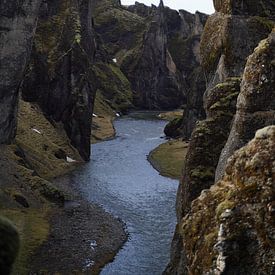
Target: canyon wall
[237,105]
[157,49]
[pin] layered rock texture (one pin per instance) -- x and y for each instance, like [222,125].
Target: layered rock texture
[256,104]
[156,48]
[238,101]
[230,229]
[17,27]
[60,77]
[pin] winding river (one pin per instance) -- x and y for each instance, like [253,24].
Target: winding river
[122,181]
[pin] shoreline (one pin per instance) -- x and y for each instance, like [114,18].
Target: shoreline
[82,217]
[168,158]
[83,237]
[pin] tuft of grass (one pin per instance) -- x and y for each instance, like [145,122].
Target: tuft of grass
[168,158]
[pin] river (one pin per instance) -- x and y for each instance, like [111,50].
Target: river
[122,181]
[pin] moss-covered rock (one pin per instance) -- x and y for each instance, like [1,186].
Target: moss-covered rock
[9,245]
[172,129]
[206,144]
[237,213]
[60,76]
[248,7]
[255,109]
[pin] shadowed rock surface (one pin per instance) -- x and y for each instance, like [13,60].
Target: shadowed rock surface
[17,27]
[256,104]
[60,77]
[206,144]
[9,244]
[224,56]
[231,226]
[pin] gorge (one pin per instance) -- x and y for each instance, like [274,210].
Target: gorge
[78,72]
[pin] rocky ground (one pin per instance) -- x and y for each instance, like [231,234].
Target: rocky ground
[82,238]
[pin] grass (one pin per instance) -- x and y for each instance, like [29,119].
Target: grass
[33,228]
[168,158]
[171,115]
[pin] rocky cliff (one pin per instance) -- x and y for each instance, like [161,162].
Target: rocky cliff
[17,26]
[215,139]
[47,65]
[60,77]
[156,48]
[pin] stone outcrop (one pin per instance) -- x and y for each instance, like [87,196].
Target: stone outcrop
[214,140]
[185,30]
[230,228]
[229,38]
[157,49]
[206,144]
[17,27]
[60,76]
[9,244]
[153,74]
[256,104]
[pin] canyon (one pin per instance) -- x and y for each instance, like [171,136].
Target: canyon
[69,68]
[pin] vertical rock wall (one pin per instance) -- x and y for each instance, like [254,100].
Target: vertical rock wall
[17,27]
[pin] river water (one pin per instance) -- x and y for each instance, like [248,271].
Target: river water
[122,181]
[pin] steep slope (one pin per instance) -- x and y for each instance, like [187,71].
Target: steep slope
[230,228]
[17,26]
[53,133]
[255,107]
[145,42]
[221,60]
[60,77]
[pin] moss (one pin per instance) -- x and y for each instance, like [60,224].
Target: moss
[114,86]
[114,22]
[51,33]
[9,244]
[203,173]
[168,158]
[33,229]
[224,206]
[172,129]
[265,23]
[37,150]
[170,116]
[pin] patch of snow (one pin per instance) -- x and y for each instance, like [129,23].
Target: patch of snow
[68,159]
[115,60]
[89,263]
[37,131]
[93,245]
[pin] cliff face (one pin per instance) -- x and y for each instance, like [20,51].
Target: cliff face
[214,140]
[156,48]
[17,27]
[255,107]
[60,77]
[230,228]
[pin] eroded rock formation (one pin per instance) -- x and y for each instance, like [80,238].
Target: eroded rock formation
[158,51]
[60,76]
[256,104]
[224,54]
[17,27]
[230,228]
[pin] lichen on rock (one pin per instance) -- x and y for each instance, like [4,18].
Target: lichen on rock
[243,227]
